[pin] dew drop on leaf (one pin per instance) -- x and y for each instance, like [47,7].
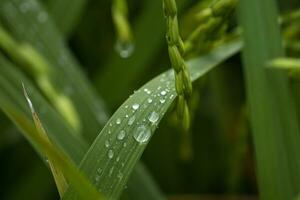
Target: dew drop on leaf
[135,106]
[163,92]
[121,135]
[110,154]
[149,100]
[153,117]
[142,134]
[107,143]
[118,121]
[162,100]
[131,120]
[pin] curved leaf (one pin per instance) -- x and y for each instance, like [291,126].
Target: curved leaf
[118,147]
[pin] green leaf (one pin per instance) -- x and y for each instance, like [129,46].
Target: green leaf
[58,131]
[66,21]
[120,144]
[56,157]
[26,26]
[272,109]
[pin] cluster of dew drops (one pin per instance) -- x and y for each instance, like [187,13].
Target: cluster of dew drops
[29,5]
[143,131]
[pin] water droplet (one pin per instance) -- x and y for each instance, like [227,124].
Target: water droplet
[172,95]
[125,144]
[118,121]
[162,100]
[126,116]
[107,143]
[147,91]
[125,49]
[121,135]
[131,120]
[142,134]
[118,158]
[42,17]
[163,92]
[149,100]
[135,106]
[153,117]
[110,154]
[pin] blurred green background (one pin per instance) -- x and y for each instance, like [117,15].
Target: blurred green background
[222,159]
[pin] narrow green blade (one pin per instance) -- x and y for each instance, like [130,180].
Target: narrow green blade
[272,109]
[65,21]
[27,26]
[60,133]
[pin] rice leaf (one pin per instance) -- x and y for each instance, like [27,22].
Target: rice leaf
[40,32]
[58,130]
[272,109]
[65,21]
[120,144]
[82,185]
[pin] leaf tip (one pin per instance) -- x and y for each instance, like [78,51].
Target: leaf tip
[28,99]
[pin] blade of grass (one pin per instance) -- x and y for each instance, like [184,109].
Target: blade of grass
[77,180]
[146,193]
[66,21]
[273,112]
[58,131]
[120,144]
[27,26]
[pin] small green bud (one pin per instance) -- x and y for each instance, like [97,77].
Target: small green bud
[188,87]
[178,83]
[180,106]
[186,117]
[175,58]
